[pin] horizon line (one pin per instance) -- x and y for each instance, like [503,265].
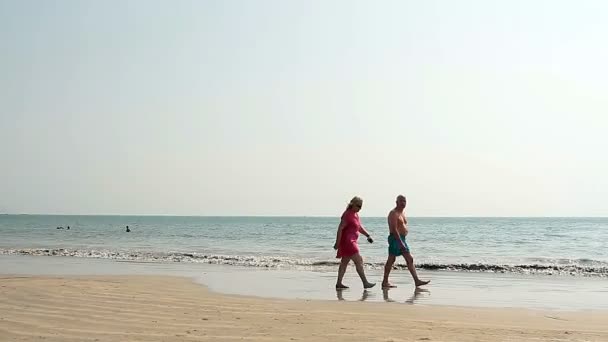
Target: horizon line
[290,216]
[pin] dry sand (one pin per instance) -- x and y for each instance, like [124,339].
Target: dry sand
[150,308]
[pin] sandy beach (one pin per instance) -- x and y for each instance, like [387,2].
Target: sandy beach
[160,308]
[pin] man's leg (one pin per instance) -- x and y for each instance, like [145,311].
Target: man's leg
[359,266]
[409,260]
[341,270]
[387,270]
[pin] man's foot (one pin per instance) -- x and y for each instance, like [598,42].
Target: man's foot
[388,285]
[422,282]
[369,285]
[341,287]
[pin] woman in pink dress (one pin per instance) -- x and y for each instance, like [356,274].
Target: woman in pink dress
[346,242]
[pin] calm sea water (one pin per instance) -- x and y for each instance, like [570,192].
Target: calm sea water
[553,246]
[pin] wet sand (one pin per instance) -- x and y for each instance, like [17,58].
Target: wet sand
[446,289]
[164,308]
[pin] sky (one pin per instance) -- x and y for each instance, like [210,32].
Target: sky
[272,107]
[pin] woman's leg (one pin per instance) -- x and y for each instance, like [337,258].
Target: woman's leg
[341,270]
[359,265]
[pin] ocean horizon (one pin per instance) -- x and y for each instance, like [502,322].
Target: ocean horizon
[526,245]
[298,216]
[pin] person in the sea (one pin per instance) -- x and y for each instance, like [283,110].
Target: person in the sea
[128,230]
[397,246]
[346,243]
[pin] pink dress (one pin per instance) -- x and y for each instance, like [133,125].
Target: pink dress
[350,234]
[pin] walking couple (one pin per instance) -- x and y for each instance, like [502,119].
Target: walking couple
[348,249]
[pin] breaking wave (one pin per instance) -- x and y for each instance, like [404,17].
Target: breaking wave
[582,267]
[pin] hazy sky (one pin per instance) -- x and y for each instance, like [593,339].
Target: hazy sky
[470,108]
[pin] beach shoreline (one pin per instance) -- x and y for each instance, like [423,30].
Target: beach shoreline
[159,308]
[463,289]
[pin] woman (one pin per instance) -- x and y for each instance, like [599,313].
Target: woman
[346,242]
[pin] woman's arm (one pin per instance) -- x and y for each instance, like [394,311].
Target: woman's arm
[363,231]
[339,234]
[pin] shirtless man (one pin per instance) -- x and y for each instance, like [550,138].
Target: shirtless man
[397,226]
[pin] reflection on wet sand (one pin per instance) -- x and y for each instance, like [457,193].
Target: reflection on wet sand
[419,293]
[366,294]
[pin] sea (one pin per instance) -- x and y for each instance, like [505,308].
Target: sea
[508,255]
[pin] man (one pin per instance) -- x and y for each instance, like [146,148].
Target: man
[397,226]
